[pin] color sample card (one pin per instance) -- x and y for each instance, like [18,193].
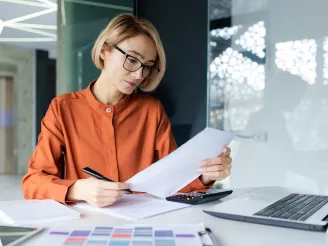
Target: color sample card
[123,236]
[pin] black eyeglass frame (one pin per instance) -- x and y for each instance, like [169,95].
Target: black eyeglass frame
[141,64]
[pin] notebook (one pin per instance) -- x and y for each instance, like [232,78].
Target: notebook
[29,212]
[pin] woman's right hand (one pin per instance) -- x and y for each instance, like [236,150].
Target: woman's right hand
[96,192]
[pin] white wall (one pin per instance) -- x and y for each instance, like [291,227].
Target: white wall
[292,111]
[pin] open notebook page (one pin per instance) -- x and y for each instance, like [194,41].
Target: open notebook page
[136,206]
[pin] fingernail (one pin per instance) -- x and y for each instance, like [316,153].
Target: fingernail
[203,163]
[199,170]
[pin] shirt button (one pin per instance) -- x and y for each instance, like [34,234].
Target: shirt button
[108,110]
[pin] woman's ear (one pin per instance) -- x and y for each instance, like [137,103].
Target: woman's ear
[104,51]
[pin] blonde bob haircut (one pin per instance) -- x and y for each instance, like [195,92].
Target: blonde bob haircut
[126,26]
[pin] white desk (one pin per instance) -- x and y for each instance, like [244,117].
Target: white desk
[227,232]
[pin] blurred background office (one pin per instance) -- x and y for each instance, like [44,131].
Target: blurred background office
[257,67]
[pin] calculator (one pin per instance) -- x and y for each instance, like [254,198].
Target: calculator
[195,198]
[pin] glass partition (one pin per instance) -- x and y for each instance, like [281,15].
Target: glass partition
[80,23]
[267,81]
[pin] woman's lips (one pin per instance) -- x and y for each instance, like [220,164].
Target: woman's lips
[131,84]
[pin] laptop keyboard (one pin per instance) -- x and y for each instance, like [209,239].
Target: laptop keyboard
[294,207]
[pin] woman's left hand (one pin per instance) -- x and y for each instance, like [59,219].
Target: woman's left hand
[216,168]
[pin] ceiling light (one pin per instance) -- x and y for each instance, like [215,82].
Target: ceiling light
[1,26]
[47,7]
[299,58]
[225,33]
[27,39]
[253,39]
[51,4]
[30,3]
[37,26]
[30,16]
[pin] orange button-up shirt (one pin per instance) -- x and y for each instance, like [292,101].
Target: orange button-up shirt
[117,141]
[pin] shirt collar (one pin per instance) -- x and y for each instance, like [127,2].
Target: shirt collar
[101,107]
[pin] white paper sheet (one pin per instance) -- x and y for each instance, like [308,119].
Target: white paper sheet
[136,206]
[176,170]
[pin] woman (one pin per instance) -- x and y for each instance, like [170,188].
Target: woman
[109,128]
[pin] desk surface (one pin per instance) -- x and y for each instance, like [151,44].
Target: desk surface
[227,232]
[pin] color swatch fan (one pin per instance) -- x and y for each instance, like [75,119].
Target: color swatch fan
[134,235]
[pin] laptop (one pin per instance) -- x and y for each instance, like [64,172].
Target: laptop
[276,206]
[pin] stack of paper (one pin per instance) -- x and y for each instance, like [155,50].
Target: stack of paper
[176,170]
[31,212]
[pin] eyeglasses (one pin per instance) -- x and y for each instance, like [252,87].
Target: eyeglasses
[132,64]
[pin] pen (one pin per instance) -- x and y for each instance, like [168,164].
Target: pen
[207,237]
[97,175]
